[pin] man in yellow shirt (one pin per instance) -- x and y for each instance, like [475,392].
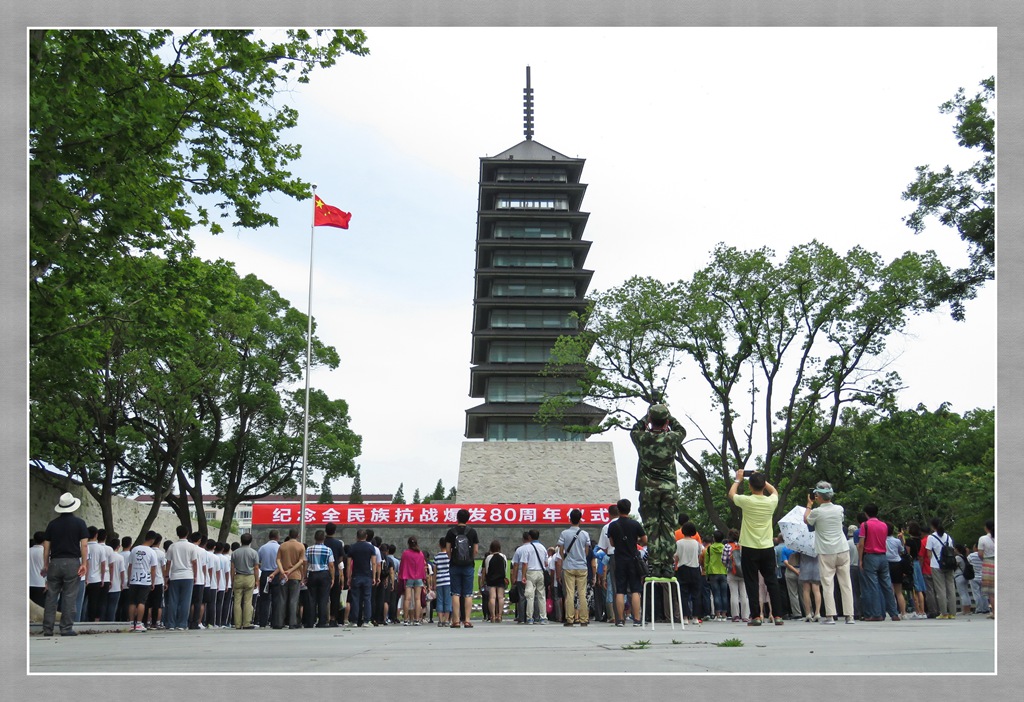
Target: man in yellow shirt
[756,539]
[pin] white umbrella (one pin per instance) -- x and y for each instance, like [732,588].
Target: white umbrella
[795,533]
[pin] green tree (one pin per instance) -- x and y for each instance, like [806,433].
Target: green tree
[437,494]
[355,496]
[416,497]
[399,498]
[114,401]
[253,435]
[452,493]
[326,496]
[964,200]
[915,465]
[781,349]
[131,131]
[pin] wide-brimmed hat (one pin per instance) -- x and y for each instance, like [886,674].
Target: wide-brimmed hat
[67,503]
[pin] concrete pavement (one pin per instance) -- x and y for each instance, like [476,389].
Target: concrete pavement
[966,645]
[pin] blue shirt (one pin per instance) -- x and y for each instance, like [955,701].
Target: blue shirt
[268,557]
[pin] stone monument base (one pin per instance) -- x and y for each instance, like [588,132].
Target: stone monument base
[493,472]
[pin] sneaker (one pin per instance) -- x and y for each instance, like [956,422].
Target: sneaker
[543,621]
[754,622]
[139,627]
[637,622]
[201,626]
[828,620]
[620,623]
[778,621]
[851,620]
[415,623]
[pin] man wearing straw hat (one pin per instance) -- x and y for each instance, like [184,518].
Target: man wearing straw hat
[65,555]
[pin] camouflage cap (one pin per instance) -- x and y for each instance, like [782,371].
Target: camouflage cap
[658,413]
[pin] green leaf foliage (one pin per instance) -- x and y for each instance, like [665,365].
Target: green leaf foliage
[781,347]
[963,200]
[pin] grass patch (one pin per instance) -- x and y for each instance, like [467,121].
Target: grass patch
[676,641]
[730,643]
[637,645]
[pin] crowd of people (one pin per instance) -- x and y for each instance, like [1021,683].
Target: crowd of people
[864,571]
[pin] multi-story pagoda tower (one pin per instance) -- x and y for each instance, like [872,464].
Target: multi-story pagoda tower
[530,279]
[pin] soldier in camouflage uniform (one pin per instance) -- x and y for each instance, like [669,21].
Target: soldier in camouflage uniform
[658,437]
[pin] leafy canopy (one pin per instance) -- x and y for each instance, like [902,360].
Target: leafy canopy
[964,200]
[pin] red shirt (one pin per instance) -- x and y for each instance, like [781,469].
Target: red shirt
[923,557]
[874,538]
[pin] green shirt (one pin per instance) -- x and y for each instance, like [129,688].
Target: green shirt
[713,560]
[756,530]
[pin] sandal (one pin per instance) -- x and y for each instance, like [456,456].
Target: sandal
[754,622]
[455,625]
[467,625]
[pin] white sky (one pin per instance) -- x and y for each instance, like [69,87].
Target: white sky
[751,136]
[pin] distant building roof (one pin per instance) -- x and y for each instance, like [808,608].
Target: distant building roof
[529,150]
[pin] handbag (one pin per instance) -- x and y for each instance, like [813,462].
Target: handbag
[548,579]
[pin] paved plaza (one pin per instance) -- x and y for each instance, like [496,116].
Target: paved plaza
[966,645]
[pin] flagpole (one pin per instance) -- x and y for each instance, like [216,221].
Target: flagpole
[309,351]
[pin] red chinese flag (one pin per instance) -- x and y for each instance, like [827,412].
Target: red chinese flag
[327,216]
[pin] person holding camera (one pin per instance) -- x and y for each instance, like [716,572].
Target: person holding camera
[658,437]
[833,550]
[756,540]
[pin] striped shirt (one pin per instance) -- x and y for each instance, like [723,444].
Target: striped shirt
[442,561]
[318,558]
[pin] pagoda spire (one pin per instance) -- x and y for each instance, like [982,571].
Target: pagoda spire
[528,108]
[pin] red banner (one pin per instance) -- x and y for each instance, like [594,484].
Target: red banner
[425,515]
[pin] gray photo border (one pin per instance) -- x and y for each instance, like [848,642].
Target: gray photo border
[1007,15]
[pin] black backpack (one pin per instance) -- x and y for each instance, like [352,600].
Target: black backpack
[386,566]
[462,554]
[946,556]
[968,570]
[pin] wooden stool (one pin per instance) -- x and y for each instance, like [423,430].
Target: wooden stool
[671,608]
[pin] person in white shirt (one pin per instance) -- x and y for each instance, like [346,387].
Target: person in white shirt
[95,578]
[833,550]
[141,575]
[126,560]
[223,565]
[155,603]
[609,572]
[987,550]
[118,580]
[111,555]
[198,603]
[181,574]
[36,582]
[212,584]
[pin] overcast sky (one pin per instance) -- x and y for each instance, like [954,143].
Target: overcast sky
[692,136]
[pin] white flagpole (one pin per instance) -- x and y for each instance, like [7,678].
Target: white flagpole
[309,350]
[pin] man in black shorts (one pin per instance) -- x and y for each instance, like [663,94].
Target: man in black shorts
[627,534]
